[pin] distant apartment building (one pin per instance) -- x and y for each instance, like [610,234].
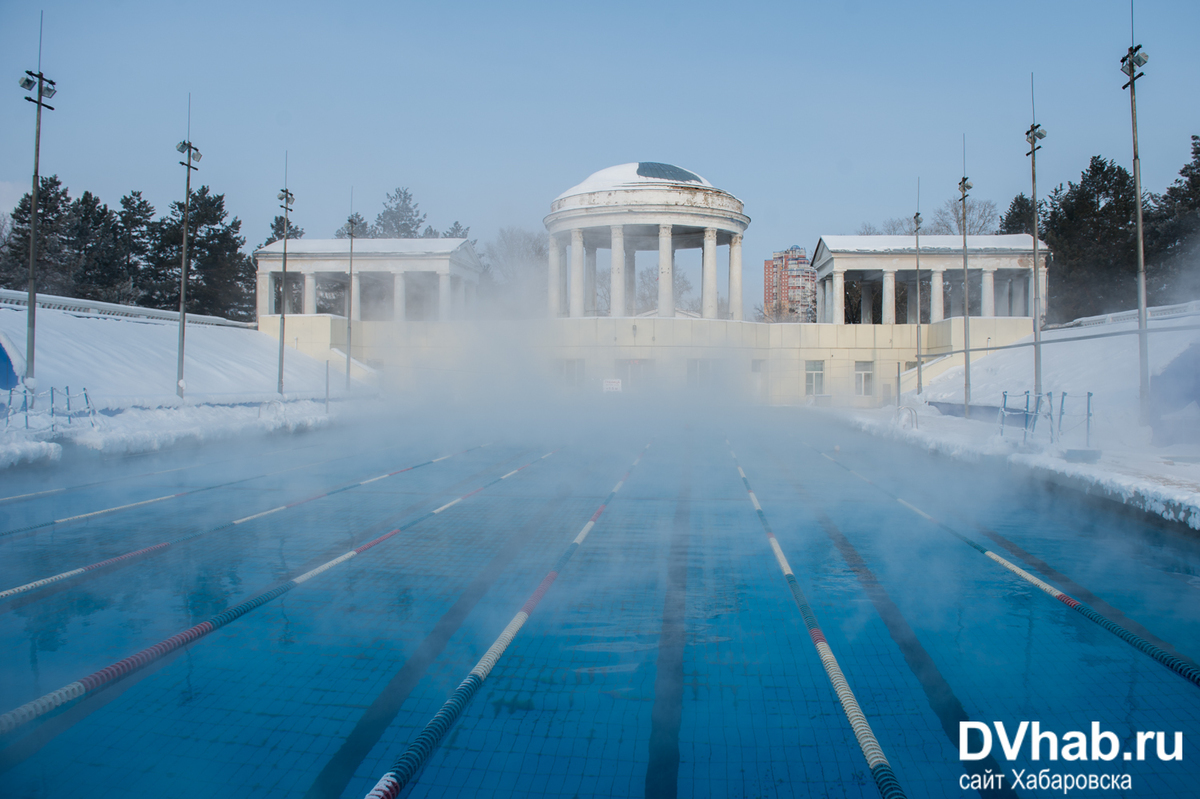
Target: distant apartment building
[790,287]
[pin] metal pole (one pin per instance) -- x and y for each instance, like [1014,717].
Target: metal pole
[963,186]
[1143,341]
[286,196]
[917,223]
[183,267]
[1035,133]
[33,216]
[350,293]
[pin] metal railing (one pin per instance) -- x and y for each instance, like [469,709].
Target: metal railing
[1041,406]
[23,406]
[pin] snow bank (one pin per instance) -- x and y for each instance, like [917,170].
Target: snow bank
[128,368]
[1162,478]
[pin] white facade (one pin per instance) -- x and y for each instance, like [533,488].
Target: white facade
[397,279]
[641,206]
[1000,272]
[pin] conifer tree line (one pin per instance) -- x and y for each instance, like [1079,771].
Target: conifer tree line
[132,256]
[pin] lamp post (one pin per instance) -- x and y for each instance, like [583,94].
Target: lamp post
[45,90]
[1131,62]
[190,153]
[350,292]
[964,186]
[287,199]
[1035,134]
[917,229]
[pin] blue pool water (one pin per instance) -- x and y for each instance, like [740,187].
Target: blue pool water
[668,659]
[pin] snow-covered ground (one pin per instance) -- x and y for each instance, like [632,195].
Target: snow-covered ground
[128,368]
[1154,468]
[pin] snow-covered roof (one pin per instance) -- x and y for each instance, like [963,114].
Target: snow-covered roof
[365,246]
[1018,242]
[637,175]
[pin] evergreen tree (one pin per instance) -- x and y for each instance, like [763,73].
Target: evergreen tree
[220,276]
[1019,216]
[1173,237]
[136,229]
[53,263]
[430,233]
[456,231]
[361,228]
[92,243]
[401,217]
[1090,231]
[277,225]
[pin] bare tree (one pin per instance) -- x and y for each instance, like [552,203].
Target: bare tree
[982,218]
[647,289]
[867,229]
[517,260]
[899,226]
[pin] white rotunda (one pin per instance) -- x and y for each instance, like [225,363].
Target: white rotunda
[641,206]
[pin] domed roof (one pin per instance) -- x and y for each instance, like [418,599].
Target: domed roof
[637,175]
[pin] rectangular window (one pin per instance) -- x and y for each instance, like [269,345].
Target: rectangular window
[570,371]
[910,365]
[864,378]
[699,372]
[814,378]
[758,365]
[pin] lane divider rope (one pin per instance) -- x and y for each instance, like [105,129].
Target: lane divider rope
[414,757]
[39,707]
[881,770]
[129,556]
[1175,664]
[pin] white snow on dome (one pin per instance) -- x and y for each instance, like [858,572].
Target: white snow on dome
[627,176]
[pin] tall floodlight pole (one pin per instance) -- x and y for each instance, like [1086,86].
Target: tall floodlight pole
[350,291]
[964,186]
[45,90]
[1130,64]
[190,154]
[287,199]
[1036,133]
[917,229]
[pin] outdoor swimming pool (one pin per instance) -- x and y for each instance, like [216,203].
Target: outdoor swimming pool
[669,657]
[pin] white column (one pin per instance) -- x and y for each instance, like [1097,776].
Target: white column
[666,285]
[616,288]
[576,272]
[987,298]
[866,301]
[589,282]
[630,282]
[264,296]
[936,312]
[553,297]
[356,297]
[735,277]
[839,298]
[398,297]
[445,297]
[888,309]
[708,275]
[914,312]
[310,292]
[820,300]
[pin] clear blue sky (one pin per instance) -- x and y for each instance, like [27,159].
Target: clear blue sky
[819,116]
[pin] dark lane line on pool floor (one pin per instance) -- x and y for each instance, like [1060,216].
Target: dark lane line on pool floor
[942,699]
[80,486]
[331,782]
[662,771]
[877,762]
[1183,668]
[129,557]
[30,711]
[414,757]
[42,526]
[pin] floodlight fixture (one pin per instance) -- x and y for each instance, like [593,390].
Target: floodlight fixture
[182,147]
[27,83]
[48,90]
[917,220]
[196,156]
[965,185]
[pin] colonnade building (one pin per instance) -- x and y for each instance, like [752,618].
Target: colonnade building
[641,206]
[1000,276]
[414,326]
